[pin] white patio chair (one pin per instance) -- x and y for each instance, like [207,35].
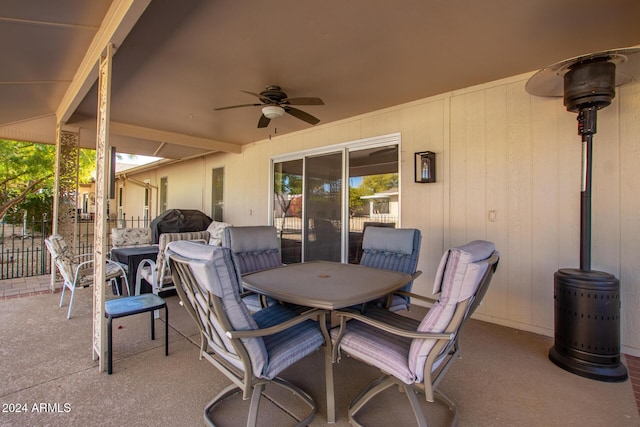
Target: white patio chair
[77,271]
[156,272]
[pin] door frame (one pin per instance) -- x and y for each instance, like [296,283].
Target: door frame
[345,148]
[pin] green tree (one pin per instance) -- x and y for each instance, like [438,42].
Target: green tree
[27,175]
[286,185]
[371,184]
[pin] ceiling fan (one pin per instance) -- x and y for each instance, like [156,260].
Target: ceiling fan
[275,103]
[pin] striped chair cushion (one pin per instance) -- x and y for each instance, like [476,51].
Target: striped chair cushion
[458,277]
[213,269]
[286,347]
[395,249]
[254,248]
[162,268]
[388,352]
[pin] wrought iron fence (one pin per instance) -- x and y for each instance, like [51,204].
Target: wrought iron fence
[23,253]
[22,249]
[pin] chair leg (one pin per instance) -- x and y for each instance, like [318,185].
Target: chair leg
[166,330]
[125,284]
[415,405]
[64,286]
[257,392]
[73,292]
[136,291]
[109,345]
[114,283]
[255,404]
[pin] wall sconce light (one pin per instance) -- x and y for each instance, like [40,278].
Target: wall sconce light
[425,165]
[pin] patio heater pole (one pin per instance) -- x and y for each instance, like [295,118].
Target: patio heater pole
[586,127]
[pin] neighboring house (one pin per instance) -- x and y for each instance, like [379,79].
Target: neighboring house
[383,205]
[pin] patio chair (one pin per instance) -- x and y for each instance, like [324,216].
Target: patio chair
[156,272]
[250,349]
[394,249]
[130,236]
[77,271]
[253,248]
[412,354]
[127,237]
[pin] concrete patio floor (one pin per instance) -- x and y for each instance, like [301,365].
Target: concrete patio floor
[504,377]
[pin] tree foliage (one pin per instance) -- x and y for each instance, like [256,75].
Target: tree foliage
[286,187]
[370,185]
[27,176]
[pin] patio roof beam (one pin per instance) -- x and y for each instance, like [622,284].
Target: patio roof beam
[117,24]
[133,131]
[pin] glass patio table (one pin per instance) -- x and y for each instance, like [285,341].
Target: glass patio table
[329,286]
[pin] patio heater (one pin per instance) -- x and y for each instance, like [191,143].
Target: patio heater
[586,301]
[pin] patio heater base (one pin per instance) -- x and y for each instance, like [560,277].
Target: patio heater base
[587,325]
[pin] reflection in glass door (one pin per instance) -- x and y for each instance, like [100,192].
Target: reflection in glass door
[323,207]
[287,208]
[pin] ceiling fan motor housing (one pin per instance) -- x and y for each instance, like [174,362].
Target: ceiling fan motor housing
[273,94]
[590,84]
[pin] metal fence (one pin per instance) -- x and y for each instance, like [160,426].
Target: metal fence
[22,249]
[23,253]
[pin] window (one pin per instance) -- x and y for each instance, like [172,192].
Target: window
[217,193]
[164,188]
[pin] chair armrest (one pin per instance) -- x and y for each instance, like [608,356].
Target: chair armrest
[389,298]
[83,256]
[309,314]
[395,330]
[119,265]
[146,262]
[416,296]
[345,315]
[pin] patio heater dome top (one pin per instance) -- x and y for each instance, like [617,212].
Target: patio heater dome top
[549,81]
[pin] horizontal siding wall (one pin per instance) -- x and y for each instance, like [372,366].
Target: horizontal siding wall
[499,151]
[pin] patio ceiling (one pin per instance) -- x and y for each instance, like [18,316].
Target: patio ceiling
[178,60]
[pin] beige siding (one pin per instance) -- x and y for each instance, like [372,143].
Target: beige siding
[498,149]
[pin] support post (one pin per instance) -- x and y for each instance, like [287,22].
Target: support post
[100,226]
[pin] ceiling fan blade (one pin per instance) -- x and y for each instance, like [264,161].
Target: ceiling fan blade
[257,95]
[303,101]
[236,106]
[301,115]
[263,122]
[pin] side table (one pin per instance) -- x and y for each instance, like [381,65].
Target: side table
[127,306]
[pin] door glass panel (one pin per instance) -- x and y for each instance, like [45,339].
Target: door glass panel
[373,193]
[323,207]
[287,208]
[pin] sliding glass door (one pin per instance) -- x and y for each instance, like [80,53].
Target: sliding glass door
[323,201]
[323,208]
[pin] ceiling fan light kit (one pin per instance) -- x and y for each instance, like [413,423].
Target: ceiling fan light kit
[586,301]
[273,111]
